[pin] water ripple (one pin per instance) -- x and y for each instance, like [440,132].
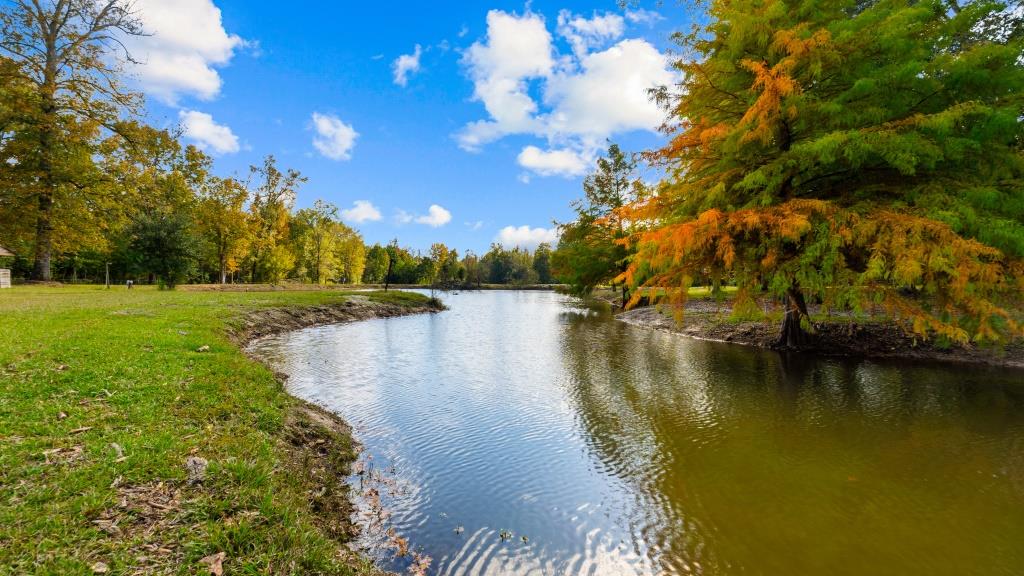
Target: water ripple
[616,450]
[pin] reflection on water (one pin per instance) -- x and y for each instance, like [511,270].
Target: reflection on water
[618,450]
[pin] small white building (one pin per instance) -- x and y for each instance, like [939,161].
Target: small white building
[5,274]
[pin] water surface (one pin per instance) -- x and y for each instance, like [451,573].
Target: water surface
[619,450]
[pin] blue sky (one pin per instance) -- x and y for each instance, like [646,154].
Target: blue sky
[490,125]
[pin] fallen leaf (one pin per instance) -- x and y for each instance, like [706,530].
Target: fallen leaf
[80,430]
[215,562]
[203,348]
[100,568]
[62,415]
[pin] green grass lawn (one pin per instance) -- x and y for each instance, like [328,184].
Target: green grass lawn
[103,397]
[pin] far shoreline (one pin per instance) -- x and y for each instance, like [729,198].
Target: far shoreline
[835,338]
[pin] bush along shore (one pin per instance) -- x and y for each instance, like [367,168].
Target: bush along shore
[136,437]
[836,335]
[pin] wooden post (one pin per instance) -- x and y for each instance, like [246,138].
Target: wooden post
[108,276]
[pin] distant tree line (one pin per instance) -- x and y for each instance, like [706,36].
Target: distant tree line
[442,266]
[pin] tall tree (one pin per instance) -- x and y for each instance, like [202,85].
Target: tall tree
[163,245]
[71,53]
[474,270]
[222,222]
[17,147]
[542,263]
[590,250]
[270,256]
[314,233]
[376,267]
[855,152]
[438,258]
[349,254]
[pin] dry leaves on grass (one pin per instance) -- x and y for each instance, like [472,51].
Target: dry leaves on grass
[64,455]
[215,563]
[147,515]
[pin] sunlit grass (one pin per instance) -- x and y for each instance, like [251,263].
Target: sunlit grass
[84,369]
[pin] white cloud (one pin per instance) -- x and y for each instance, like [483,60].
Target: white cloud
[526,237]
[407,64]
[474,226]
[207,134]
[585,98]
[517,48]
[523,177]
[586,33]
[334,139]
[186,42]
[641,16]
[361,211]
[435,217]
[609,93]
[562,162]
[403,217]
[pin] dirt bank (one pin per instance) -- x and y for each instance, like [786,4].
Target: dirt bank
[708,320]
[317,447]
[277,320]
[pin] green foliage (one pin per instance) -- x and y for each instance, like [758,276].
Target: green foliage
[854,152]
[503,266]
[222,224]
[313,236]
[69,82]
[590,252]
[542,263]
[162,244]
[270,255]
[376,265]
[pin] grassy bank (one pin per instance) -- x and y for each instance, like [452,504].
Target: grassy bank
[136,437]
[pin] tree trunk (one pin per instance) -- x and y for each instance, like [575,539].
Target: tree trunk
[44,226]
[48,180]
[44,241]
[792,334]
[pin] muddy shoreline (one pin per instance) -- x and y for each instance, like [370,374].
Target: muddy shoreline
[317,446]
[707,320]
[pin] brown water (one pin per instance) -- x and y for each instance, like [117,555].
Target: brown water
[620,450]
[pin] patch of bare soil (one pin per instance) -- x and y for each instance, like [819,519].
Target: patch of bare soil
[270,321]
[708,320]
[319,450]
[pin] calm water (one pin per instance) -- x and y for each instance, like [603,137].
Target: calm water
[619,450]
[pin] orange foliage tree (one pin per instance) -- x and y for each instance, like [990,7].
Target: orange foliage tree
[855,152]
